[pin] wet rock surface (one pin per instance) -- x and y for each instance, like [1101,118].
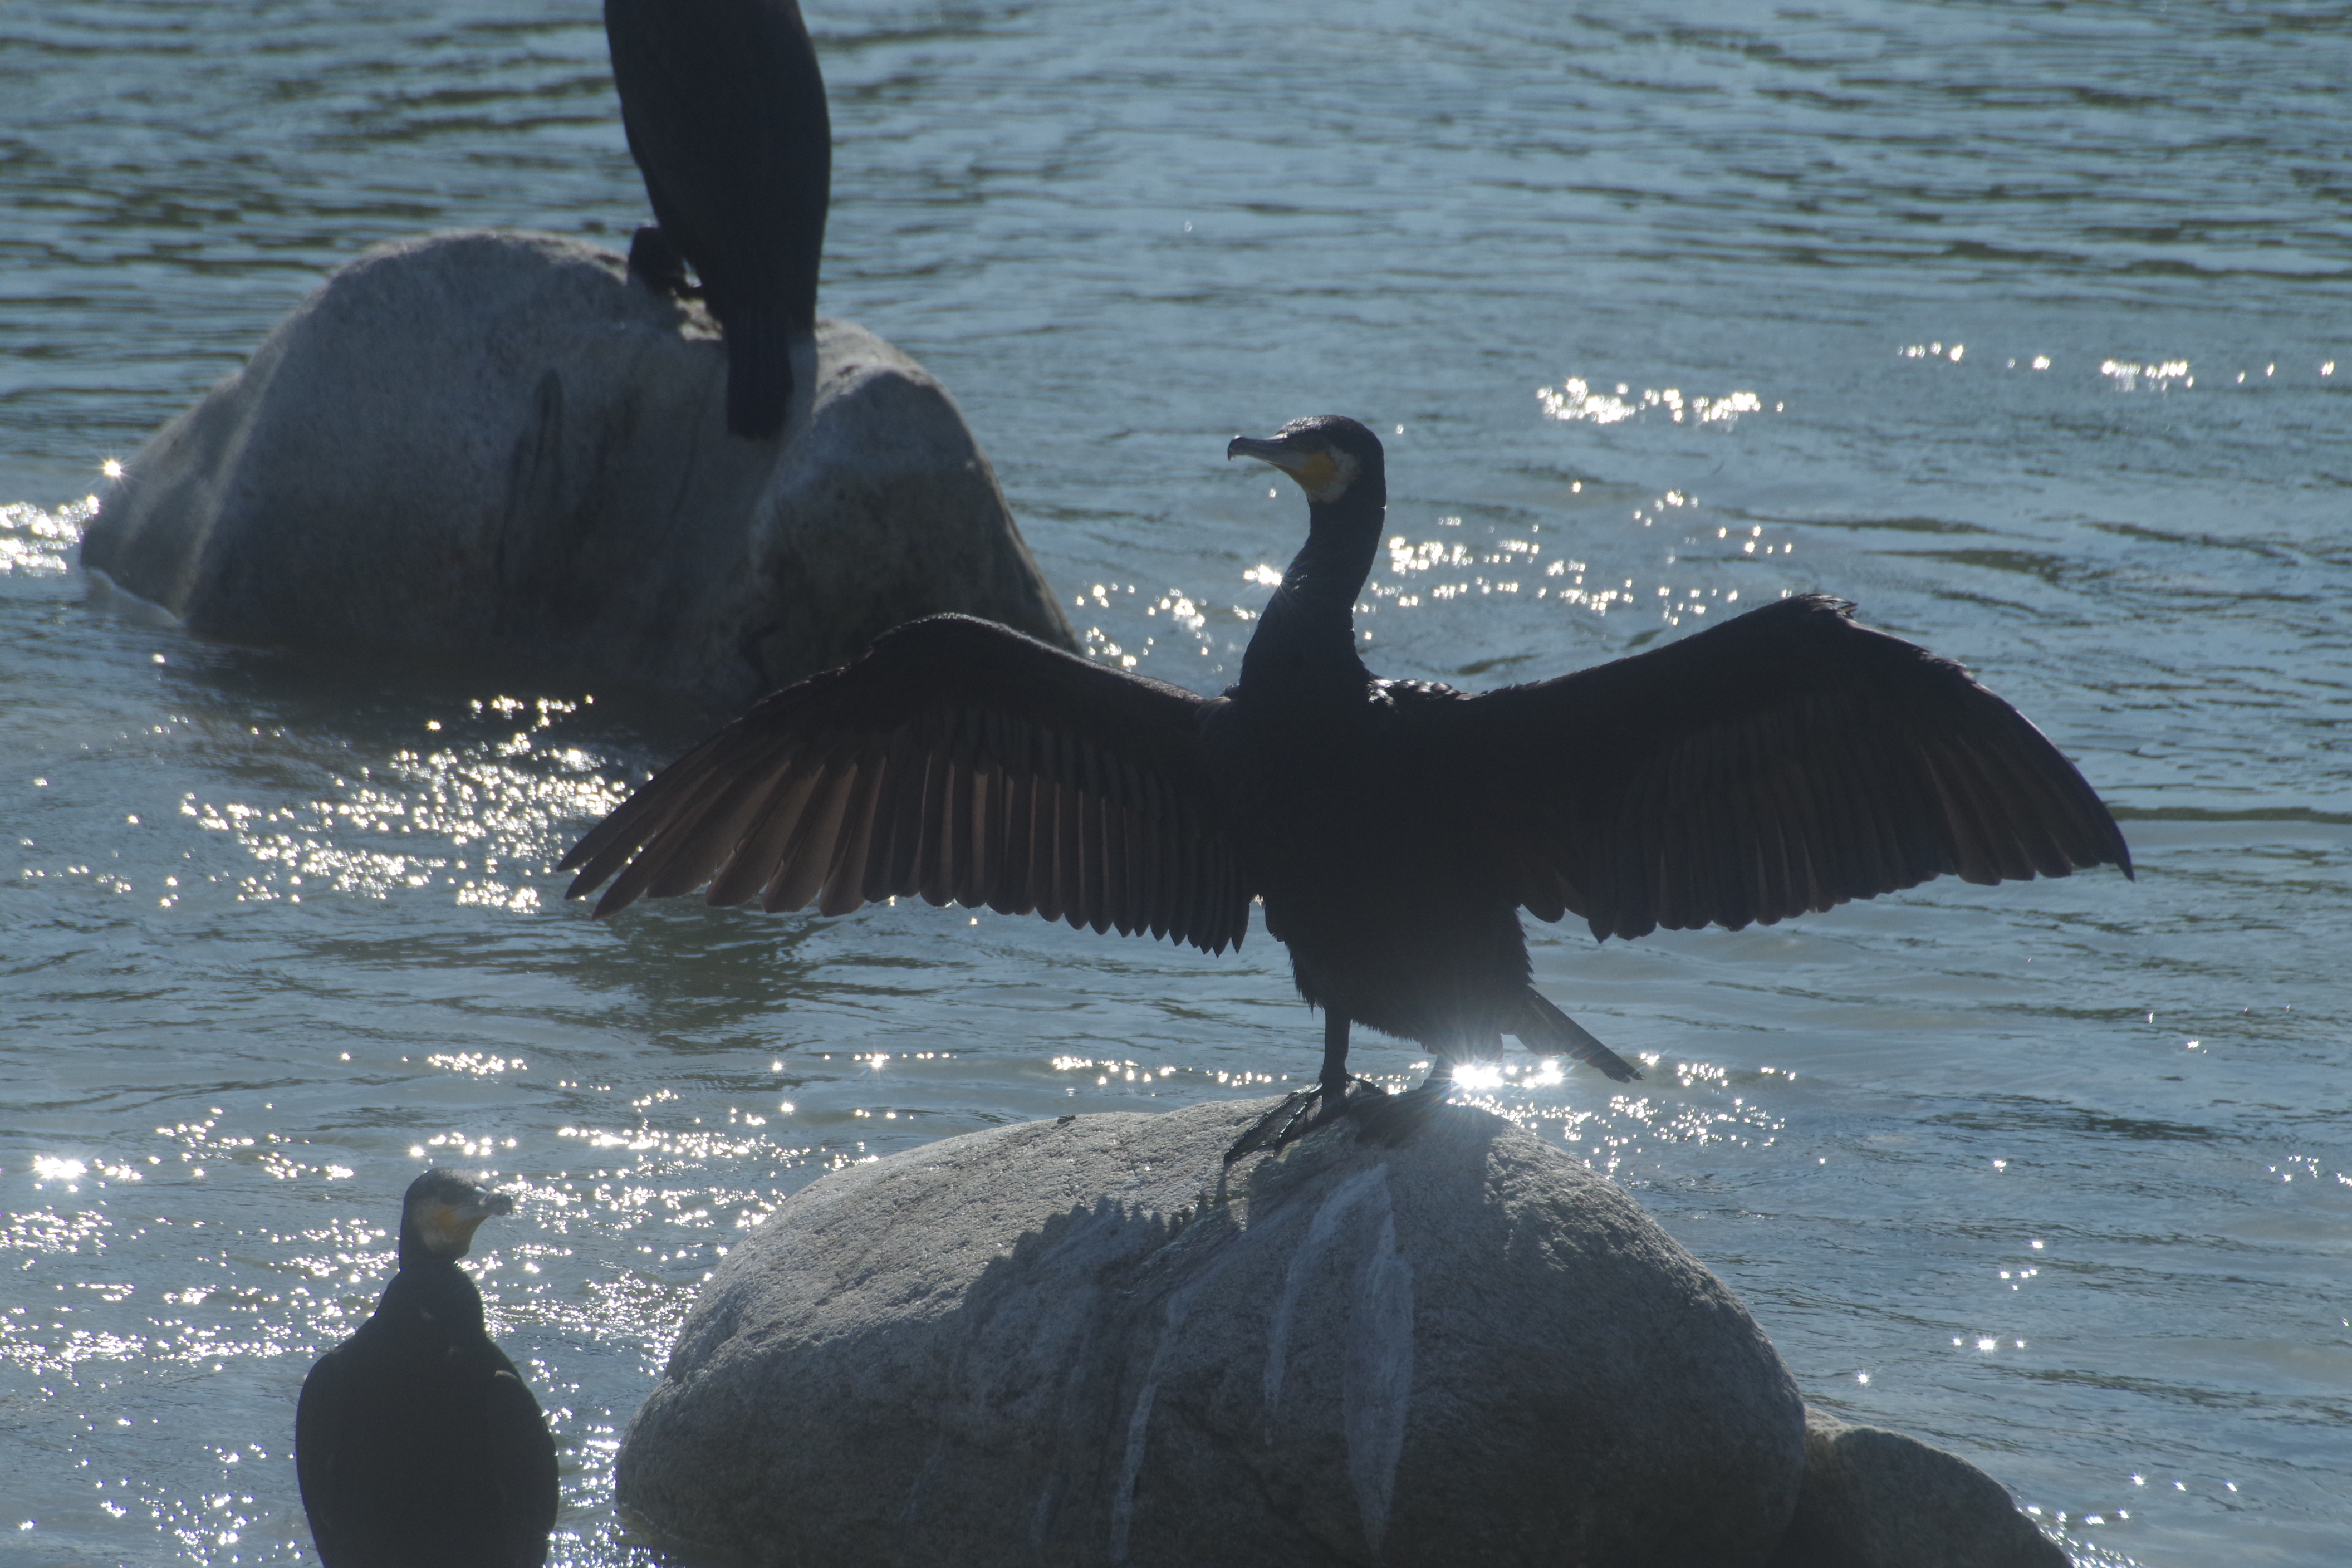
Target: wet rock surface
[493,448]
[1875,1499]
[1082,1341]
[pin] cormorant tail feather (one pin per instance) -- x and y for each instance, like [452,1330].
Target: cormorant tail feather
[759,374]
[1545,1024]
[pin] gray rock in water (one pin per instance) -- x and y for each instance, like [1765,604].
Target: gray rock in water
[1874,1498]
[492,447]
[1056,1344]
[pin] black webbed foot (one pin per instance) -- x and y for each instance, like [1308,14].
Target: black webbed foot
[654,262]
[1301,1113]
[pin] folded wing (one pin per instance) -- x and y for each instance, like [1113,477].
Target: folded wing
[955,760]
[321,1417]
[1785,761]
[522,1466]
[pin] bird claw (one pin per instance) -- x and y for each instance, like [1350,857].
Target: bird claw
[1298,1114]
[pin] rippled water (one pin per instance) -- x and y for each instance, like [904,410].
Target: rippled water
[2021,326]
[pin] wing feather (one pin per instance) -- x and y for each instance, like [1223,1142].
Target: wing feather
[956,761]
[1045,850]
[1092,842]
[745,869]
[1072,840]
[1016,893]
[1786,759]
[718,827]
[1114,852]
[795,874]
[935,860]
[659,859]
[984,823]
[840,891]
[899,822]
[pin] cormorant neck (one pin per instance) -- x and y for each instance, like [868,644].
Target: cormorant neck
[415,1254]
[1307,635]
[435,1291]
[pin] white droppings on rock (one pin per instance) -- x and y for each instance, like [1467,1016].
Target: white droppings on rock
[1377,1397]
[1376,1386]
[1138,1428]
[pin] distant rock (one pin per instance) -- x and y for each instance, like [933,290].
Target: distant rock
[1874,1498]
[493,448]
[1063,1342]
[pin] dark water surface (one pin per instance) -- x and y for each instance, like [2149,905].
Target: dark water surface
[2019,324]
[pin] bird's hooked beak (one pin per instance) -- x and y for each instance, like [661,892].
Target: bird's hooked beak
[448,1227]
[1318,471]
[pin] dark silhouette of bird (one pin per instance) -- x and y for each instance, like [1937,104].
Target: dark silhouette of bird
[416,1443]
[1783,761]
[725,112]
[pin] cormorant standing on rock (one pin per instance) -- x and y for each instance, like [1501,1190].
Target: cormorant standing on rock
[1784,760]
[724,113]
[416,1443]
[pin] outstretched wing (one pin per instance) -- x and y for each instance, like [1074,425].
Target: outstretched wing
[956,760]
[1785,761]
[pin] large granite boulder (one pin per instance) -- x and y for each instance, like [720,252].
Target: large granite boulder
[494,449]
[1874,1498]
[1082,1342]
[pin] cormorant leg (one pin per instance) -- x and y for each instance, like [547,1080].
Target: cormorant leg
[1299,1114]
[654,262]
[1335,1060]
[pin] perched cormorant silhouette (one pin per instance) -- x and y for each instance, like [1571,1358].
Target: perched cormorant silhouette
[1783,761]
[724,113]
[416,1443]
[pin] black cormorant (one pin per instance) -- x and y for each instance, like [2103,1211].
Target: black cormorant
[416,1443]
[1783,761]
[724,113]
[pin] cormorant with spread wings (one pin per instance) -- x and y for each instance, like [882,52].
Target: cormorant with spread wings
[1784,760]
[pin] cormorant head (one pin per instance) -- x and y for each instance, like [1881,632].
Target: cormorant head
[1329,455]
[440,1214]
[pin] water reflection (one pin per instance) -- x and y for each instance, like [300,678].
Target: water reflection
[1575,399]
[35,541]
